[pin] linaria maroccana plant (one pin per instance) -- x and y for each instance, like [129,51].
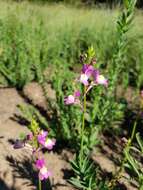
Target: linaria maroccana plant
[36,141]
[89,78]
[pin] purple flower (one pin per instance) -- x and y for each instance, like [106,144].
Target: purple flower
[46,142]
[87,72]
[100,79]
[40,163]
[84,79]
[84,68]
[87,69]
[72,99]
[42,137]
[77,93]
[44,173]
[49,143]
[69,100]
[19,144]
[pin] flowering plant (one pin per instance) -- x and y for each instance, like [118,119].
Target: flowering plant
[36,141]
[89,78]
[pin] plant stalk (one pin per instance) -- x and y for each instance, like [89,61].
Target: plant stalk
[83,125]
[40,185]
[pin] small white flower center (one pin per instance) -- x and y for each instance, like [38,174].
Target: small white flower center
[43,170]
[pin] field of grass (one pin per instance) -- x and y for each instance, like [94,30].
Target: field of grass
[33,35]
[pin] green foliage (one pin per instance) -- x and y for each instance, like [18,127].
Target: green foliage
[32,38]
[28,112]
[106,110]
[86,175]
[67,119]
[22,58]
[133,163]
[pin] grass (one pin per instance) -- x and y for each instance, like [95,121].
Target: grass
[57,34]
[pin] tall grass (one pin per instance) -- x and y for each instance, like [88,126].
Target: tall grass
[32,37]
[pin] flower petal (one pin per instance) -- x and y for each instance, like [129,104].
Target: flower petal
[40,163]
[84,79]
[69,100]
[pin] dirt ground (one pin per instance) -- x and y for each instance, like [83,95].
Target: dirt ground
[16,169]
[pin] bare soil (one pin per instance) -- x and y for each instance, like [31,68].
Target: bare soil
[16,169]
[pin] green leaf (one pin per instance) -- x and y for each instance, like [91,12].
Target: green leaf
[132,162]
[77,183]
[140,141]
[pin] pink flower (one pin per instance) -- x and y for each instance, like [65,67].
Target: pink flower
[100,79]
[44,173]
[72,99]
[77,93]
[40,163]
[49,143]
[42,137]
[84,79]
[87,72]
[87,69]
[46,142]
[69,100]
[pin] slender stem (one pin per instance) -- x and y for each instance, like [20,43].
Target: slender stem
[83,124]
[40,185]
[133,132]
[121,169]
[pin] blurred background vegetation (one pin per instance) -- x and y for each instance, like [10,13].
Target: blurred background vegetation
[34,36]
[108,3]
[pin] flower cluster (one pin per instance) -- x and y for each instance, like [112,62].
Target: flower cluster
[36,142]
[43,172]
[45,141]
[89,77]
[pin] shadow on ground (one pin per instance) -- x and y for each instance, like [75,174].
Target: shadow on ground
[24,169]
[3,186]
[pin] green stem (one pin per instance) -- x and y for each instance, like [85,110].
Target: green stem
[83,125]
[40,185]
[121,169]
[133,132]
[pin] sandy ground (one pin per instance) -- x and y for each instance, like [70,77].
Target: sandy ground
[16,169]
